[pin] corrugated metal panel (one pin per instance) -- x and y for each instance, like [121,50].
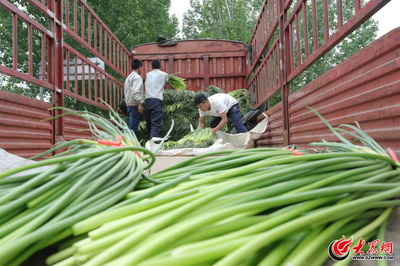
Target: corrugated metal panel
[201,62]
[364,88]
[273,136]
[21,130]
[76,128]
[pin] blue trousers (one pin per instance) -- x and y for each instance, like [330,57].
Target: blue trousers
[153,110]
[134,117]
[234,113]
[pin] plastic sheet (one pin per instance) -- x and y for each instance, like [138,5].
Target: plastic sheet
[225,142]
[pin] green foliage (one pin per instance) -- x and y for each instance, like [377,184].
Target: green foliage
[230,20]
[176,83]
[136,21]
[244,99]
[178,105]
[199,138]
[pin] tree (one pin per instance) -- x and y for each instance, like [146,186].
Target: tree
[136,21]
[223,19]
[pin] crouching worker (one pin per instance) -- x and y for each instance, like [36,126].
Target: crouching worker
[219,106]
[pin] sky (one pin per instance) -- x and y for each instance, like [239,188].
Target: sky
[178,7]
[387,16]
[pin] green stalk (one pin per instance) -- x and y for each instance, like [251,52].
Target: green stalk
[8,252]
[338,177]
[220,229]
[268,223]
[88,154]
[271,162]
[199,256]
[125,208]
[279,253]
[11,250]
[232,163]
[14,193]
[328,214]
[365,231]
[146,249]
[132,219]
[381,237]
[300,257]
[97,196]
[61,255]
[17,180]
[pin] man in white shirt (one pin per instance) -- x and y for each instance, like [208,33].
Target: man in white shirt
[133,92]
[219,106]
[153,106]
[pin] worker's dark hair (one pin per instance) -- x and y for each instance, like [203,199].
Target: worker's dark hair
[136,63]
[156,64]
[200,98]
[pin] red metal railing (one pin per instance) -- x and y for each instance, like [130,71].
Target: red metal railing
[332,35]
[86,27]
[297,44]
[263,31]
[57,57]
[46,36]
[99,83]
[95,37]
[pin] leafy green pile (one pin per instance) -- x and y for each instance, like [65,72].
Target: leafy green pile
[176,83]
[199,138]
[243,97]
[178,106]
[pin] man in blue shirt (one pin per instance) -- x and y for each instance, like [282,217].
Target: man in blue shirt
[153,106]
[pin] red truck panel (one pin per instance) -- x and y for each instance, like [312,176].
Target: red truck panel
[201,62]
[21,130]
[365,88]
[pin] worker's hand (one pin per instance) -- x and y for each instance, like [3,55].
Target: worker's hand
[214,130]
[140,108]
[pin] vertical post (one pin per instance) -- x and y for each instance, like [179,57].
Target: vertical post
[57,67]
[206,71]
[285,69]
[170,69]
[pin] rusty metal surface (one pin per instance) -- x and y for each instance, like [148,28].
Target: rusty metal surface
[200,62]
[21,130]
[365,88]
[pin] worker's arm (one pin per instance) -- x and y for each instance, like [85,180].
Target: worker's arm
[224,120]
[201,122]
